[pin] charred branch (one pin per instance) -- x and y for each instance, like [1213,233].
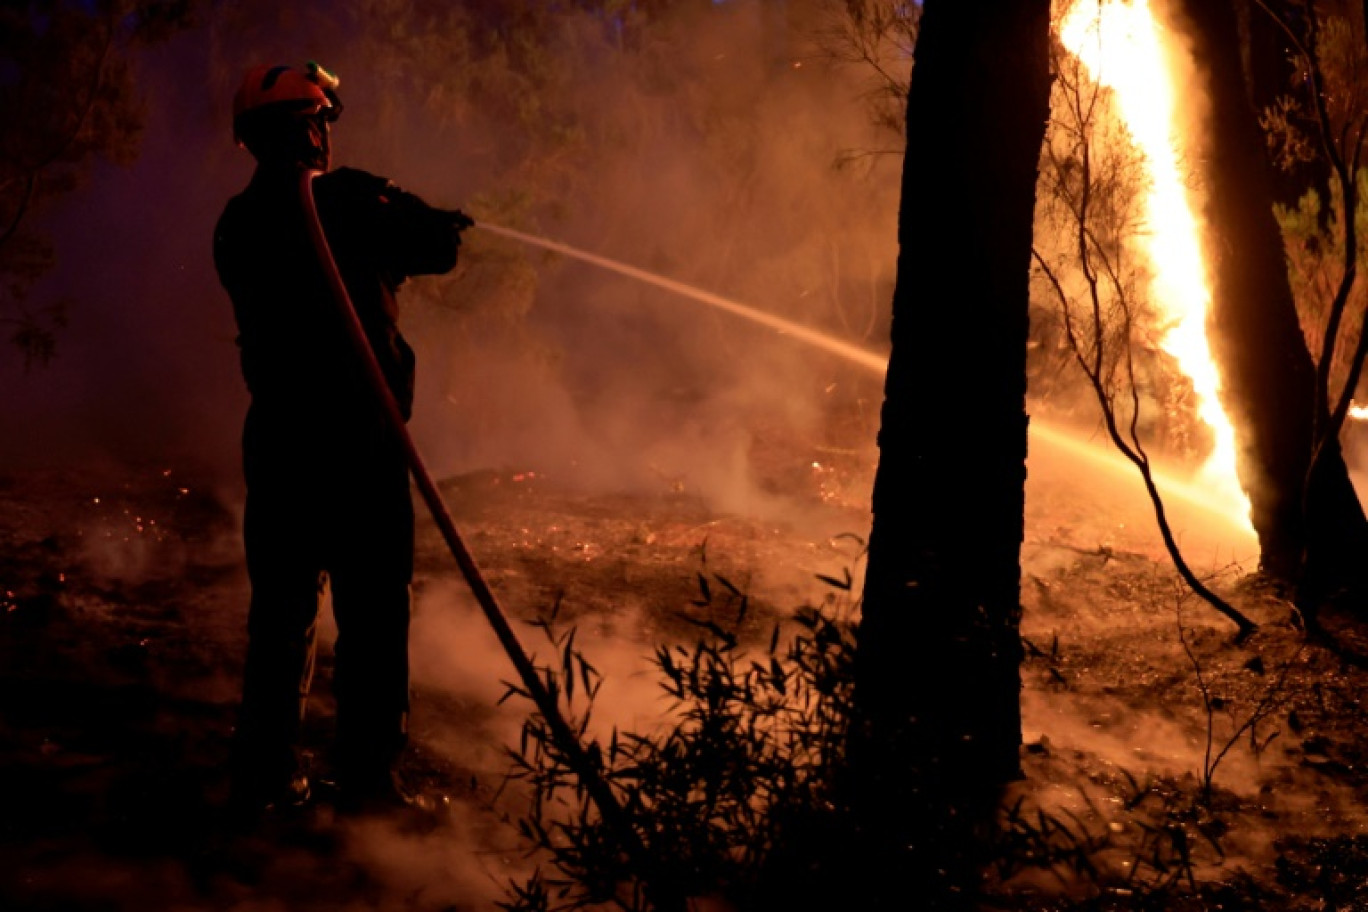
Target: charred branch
[1129,443]
[1101,329]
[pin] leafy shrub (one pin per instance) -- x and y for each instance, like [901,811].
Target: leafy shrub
[738,797]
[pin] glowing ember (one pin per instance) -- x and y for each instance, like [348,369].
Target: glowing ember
[1121,45]
[1358,412]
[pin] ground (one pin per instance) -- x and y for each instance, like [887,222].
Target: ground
[122,610]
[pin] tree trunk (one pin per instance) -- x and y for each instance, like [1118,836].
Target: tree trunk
[1308,534]
[938,677]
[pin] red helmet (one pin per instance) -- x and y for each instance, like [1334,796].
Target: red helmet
[308,92]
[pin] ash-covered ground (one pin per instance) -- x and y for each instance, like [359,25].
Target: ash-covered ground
[122,630]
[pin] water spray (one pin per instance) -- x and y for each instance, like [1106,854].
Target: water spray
[854,353]
[873,362]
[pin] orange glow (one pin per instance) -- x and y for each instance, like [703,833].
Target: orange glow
[1124,49]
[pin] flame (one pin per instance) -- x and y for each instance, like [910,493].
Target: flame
[1123,48]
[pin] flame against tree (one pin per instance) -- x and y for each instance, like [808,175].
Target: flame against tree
[1122,47]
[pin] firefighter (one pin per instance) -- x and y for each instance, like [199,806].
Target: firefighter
[327,486]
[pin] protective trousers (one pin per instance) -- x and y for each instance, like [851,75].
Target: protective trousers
[324,503]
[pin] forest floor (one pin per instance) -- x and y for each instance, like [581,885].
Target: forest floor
[122,621]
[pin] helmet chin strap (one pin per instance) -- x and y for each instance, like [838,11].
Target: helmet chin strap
[306,146]
[320,146]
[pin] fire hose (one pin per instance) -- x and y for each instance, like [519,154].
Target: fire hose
[610,810]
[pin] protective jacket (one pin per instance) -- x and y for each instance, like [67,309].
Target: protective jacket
[295,355]
[327,483]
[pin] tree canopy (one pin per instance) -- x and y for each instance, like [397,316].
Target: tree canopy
[68,97]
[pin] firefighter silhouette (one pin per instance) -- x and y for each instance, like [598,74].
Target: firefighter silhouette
[327,485]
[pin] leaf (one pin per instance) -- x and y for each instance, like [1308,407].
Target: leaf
[567,663]
[842,584]
[727,638]
[777,676]
[585,671]
[513,690]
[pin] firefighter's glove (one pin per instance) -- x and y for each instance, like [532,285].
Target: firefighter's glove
[460,221]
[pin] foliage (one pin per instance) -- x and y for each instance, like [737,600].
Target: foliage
[1329,51]
[1313,237]
[1090,167]
[878,38]
[1324,119]
[738,797]
[564,110]
[67,97]
[1090,211]
[600,116]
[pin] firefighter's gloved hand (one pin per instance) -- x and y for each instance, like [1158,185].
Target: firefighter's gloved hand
[460,221]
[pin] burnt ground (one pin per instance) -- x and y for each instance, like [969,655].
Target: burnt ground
[122,615]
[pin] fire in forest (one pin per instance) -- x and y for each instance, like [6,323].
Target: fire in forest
[1125,49]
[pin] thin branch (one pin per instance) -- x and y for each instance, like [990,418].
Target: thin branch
[1205,691]
[1348,203]
[1358,145]
[1093,359]
[1265,707]
[1140,460]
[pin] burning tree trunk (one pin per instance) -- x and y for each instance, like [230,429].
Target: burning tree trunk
[1307,524]
[938,676]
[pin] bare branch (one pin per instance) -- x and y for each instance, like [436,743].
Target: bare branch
[1090,347]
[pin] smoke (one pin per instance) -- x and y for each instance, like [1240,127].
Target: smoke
[464,865]
[1062,465]
[462,712]
[455,654]
[706,152]
[715,168]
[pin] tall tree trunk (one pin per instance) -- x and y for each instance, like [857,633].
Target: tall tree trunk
[1314,534]
[938,676]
